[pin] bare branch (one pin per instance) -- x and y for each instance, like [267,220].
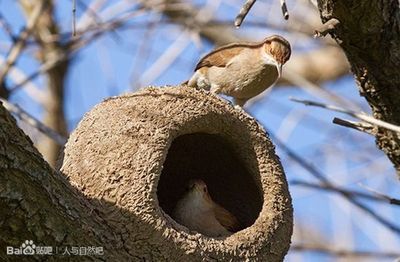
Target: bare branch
[342,252]
[360,126]
[247,6]
[321,177]
[30,88]
[7,28]
[375,62]
[314,89]
[243,12]
[285,12]
[26,117]
[362,116]
[378,197]
[166,59]
[326,28]
[74,46]
[50,48]
[142,54]
[74,18]
[19,45]
[44,68]
[391,200]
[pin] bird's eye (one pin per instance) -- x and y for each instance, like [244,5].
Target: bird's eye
[205,189]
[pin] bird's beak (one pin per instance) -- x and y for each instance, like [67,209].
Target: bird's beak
[279,68]
[272,61]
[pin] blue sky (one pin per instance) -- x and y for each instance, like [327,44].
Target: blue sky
[114,63]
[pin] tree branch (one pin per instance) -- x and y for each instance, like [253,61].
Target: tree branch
[323,179]
[362,116]
[243,12]
[19,45]
[328,187]
[360,126]
[26,117]
[50,49]
[326,28]
[343,252]
[369,35]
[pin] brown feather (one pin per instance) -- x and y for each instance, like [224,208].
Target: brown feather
[222,55]
[226,219]
[279,48]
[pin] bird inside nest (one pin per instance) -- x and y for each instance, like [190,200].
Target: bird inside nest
[198,212]
[242,70]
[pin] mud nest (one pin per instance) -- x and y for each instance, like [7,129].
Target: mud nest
[132,156]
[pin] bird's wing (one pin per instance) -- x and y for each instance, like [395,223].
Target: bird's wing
[221,56]
[226,219]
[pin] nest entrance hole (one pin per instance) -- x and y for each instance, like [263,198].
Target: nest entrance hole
[211,159]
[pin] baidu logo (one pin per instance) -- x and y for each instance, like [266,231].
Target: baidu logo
[26,248]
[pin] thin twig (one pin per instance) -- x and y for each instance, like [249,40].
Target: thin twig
[7,28]
[326,28]
[285,12]
[316,90]
[26,117]
[166,59]
[360,126]
[74,18]
[19,45]
[143,54]
[248,5]
[391,200]
[48,65]
[362,116]
[321,177]
[89,12]
[243,12]
[378,198]
[341,252]
[74,46]
[30,88]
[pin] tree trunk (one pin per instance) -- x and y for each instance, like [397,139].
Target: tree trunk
[369,33]
[38,204]
[47,35]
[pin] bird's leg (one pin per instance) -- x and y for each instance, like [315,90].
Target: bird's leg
[239,102]
[193,81]
[200,81]
[215,89]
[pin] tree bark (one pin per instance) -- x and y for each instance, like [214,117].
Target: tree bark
[369,34]
[38,204]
